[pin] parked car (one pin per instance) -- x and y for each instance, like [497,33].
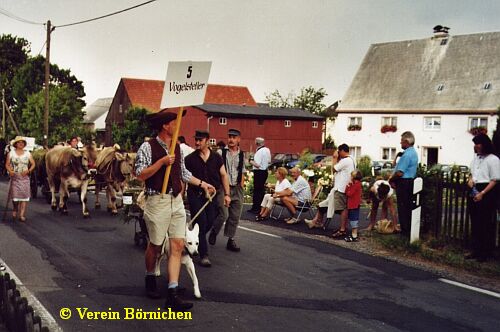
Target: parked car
[281,159]
[316,158]
[327,161]
[381,166]
[448,169]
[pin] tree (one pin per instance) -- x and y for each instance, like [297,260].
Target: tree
[65,118]
[30,78]
[309,99]
[135,127]
[13,54]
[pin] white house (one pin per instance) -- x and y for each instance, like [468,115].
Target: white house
[441,88]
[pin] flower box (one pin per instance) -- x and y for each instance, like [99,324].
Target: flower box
[388,129]
[354,128]
[478,130]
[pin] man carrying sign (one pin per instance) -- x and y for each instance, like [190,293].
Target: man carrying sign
[165,214]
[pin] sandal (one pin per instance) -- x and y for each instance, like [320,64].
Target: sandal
[22,219]
[351,239]
[259,218]
[339,234]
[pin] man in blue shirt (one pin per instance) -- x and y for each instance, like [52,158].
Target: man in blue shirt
[402,181]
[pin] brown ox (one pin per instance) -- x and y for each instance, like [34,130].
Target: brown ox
[113,170]
[67,167]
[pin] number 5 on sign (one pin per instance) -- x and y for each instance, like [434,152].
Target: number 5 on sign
[186,84]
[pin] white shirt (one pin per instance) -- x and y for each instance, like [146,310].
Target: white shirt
[343,169]
[485,168]
[301,189]
[186,149]
[280,186]
[378,183]
[263,158]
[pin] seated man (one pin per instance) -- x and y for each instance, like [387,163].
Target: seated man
[299,193]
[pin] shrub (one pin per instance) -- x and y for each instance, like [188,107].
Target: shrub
[365,165]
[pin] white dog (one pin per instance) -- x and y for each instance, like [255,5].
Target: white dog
[190,249]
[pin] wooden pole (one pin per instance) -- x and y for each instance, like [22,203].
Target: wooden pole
[47,82]
[172,149]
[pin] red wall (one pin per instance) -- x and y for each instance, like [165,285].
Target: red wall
[293,139]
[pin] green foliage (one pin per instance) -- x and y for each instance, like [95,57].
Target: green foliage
[66,115]
[306,159]
[135,127]
[365,166]
[329,142]
[13,54]
[309,99]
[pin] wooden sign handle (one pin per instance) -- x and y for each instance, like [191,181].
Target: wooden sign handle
[172,149]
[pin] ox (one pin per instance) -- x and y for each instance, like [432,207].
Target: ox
[67,167]
[113,170]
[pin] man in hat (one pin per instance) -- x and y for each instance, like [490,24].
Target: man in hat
[208,167]
[260,163]
[234,162]
[165,214]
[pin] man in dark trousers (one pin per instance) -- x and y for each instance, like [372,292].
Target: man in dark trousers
[235,164]
[164,214]
[402,181]
[208,166]
[260,163]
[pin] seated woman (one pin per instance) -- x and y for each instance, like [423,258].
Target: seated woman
[267,204]
[381,192]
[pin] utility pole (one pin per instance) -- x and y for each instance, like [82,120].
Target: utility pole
[3,114]
[47,80]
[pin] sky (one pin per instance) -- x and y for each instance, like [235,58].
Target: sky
[265,45]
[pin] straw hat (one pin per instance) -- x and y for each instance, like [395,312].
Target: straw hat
[18,139]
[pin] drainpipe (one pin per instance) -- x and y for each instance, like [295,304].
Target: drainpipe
[208,122]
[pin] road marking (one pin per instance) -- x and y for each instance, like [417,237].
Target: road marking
[476,289]
[47,319]
[259,232]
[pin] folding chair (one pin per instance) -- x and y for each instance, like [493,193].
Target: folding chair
[301,207]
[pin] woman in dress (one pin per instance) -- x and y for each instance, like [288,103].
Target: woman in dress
[20,164]
[267,204]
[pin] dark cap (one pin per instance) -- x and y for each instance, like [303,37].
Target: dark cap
[233,132]
[201,134]
[157,120]
[343,147]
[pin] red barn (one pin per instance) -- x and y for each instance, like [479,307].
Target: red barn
[287,130]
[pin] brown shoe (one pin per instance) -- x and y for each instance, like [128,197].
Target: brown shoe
[151,290]
[232,246]
[174,301]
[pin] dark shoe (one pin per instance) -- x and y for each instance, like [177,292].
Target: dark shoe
[339,234]
[205,262]
[151,290]
[232,246]
[212,238]
[351,239]
[175,303]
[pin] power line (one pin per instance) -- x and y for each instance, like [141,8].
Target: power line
[18,18]
[107,15]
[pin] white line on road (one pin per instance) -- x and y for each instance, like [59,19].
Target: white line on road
[47,319]
[476,289]
[259,232]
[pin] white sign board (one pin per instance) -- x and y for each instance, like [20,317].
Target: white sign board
[186,84]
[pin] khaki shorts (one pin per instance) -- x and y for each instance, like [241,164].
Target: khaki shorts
[340,201]
[165,216]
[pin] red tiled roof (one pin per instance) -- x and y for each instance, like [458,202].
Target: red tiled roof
[148,93]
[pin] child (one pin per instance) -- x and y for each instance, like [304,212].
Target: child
[353,193]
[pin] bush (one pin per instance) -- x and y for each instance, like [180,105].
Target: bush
[365,165]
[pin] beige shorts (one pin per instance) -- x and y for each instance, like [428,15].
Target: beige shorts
[165,216]
[340,201]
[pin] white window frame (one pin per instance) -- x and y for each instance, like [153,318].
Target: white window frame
[315,124]
[391,152]
[355,120]
[390,121]
[431,126]
[212,141]
[355,152]
[478,119]
[223,121]
[288,123]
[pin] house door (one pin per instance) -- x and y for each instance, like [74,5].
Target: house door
[432,156]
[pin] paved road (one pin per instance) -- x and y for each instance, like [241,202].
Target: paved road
[282,280]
